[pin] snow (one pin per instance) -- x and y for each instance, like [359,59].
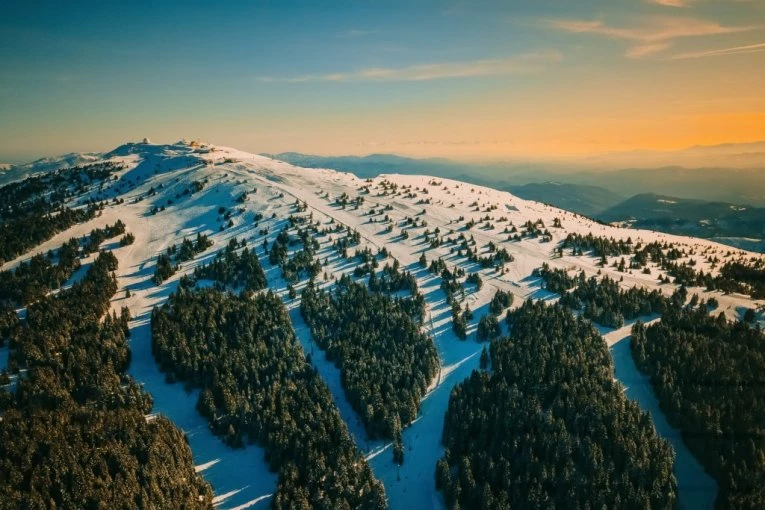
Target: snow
[10,173]
[696,489]
[240,477]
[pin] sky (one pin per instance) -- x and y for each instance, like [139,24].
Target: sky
[482,80]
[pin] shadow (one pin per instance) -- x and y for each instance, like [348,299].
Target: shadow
[696,489]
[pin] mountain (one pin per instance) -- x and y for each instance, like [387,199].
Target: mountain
[746,185]
[10,173]
[730,223]
[701,194]
[193,206]
[728,155]
[722,181]
[579,198]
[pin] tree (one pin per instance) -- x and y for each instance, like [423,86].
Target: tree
[87,405]
[488,327]
[376,341]
[551,384]
[242,352]
[706,373]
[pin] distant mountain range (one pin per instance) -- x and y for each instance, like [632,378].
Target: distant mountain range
[726,155]
[732,173]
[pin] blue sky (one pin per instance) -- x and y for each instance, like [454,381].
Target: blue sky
[464,79]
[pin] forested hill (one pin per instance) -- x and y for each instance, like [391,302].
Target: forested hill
[298,337]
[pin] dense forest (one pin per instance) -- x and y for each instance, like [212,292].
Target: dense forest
[74,434]
[258,387]
[386,362]
[39,275]
[33,279]
[19,234]
[47,191]
[744,278]
[602,300]
[549,428]
[707,374]
[235,269]
[33,209]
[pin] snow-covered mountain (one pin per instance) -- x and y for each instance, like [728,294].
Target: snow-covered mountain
[166,193]
[10,173]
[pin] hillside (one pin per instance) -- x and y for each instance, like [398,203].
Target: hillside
[695,194]
[165,194]
[689,217]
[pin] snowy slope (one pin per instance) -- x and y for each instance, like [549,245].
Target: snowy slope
[10,173]
[156,177]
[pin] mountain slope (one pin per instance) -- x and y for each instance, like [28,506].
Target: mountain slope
[10,173]
[166,193]
[689,217]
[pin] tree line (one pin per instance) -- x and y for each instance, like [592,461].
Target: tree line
[603,300]
[169,262]
[33,210]
[18,235]
[235,269]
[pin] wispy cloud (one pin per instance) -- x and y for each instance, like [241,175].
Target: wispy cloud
[653,35]
[673,3]
[437,143]
[526,63]
[751,48]
[643,50]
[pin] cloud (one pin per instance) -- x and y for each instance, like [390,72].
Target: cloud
[527,63]
[751,48]
[653,35]
[437,143]
[643,50]
[656,30]
[673,3]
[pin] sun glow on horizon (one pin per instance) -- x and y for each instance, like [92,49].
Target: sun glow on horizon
[486,80]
